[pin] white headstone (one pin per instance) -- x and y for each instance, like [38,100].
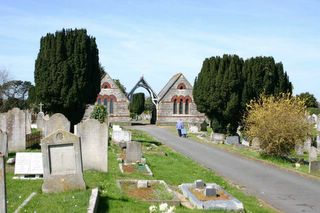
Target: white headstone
[16,130]
[313,154]
[307,145]
[121,136]
[28,163]
[55,122]
[94,144]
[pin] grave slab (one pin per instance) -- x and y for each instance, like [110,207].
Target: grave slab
[28,165]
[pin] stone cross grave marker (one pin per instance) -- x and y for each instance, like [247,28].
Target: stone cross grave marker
[3,194]
[55,122]
[94,144]
[16,130]
[133,152]
[28,165]
[4,143]
[62,165]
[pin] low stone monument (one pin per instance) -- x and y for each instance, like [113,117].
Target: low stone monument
[4,143]
[16,130]
[62,166]
[193,129]
[121,136]
[94,144]
[28,165]
[133,152]
[255,143]
[307,145]
[232,140]
[313,154]
[217,137]
[3,194]
[55,122]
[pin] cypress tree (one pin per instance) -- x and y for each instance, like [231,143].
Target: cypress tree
[67,72]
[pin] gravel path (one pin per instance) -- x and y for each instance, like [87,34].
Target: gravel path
[285,191]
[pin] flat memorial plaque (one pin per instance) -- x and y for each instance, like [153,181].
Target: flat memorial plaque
[28,163]
[62,159]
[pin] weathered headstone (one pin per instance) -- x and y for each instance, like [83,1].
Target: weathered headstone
[217,137]
[94,144]
[299,149]
[55,122]
[232,140]
[307,145]
[41,122]
[313,154]
[4,143]
[193,129]
[28,121]
[314,167]
[199,184]
[62,166]
[121,136]
[28,164]
[3,194]
[255,143]
[3,122]
[16,130]
[133,152]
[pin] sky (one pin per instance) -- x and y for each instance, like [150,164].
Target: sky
[158,39]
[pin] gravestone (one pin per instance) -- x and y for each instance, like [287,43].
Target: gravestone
[210,191]
[245,142]
[28,165]
[217,137]
[313,154]
[16,130]
[299,149]
[4,143]
[133,152]
[55,122]
[314,167]
[62,166]
[193,129]
[232,140]
[121,136]
[307,145]
[28,121]
[199,184]
[94,144]
[255,143]
[41,122]
[3,194]
[3,122]
[116,128]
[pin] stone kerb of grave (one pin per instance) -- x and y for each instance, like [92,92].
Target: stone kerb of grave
[62,165]
[3,194]
[210,196]
[94,144]
[55,122]
[4,143]
[16,130]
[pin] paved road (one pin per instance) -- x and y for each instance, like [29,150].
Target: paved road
[286,191]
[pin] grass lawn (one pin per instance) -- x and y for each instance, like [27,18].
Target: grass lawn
[166,165]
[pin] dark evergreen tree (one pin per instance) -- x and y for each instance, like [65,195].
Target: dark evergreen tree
[226,84]
[137,104]
[67,72]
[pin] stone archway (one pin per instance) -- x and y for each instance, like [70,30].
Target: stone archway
[142,83]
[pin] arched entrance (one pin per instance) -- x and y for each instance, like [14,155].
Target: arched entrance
[142,83]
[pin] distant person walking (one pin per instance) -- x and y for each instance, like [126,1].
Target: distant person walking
[179,127]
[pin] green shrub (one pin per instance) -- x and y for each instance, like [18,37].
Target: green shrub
[99,112]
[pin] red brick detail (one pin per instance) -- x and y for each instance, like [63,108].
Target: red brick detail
[106,85]
[181,86]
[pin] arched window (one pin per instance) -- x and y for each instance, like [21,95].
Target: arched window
[111,106]
[186,108]
[175,106]
[181,86]
[99,100]
[181,106]
[105,85]
[105,102]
